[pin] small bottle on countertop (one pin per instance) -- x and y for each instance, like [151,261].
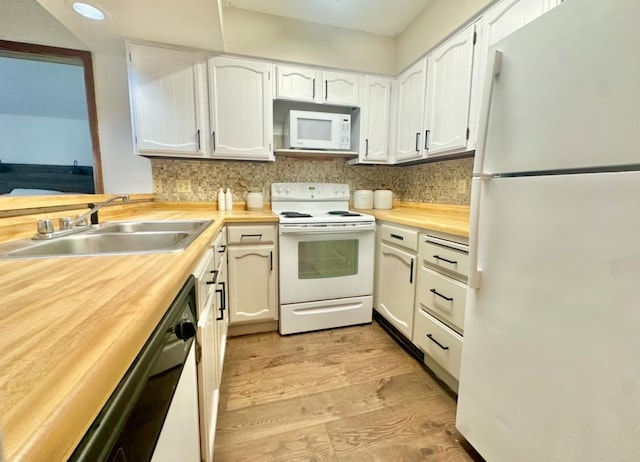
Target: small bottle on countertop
[228,200]
[221,204]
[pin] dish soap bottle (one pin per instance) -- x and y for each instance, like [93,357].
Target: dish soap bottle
[228,200]
[221,203]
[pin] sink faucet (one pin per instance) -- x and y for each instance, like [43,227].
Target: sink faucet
[93,210]
[70,225]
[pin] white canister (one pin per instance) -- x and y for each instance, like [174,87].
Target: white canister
[255,201]
[383,199]
[363,199]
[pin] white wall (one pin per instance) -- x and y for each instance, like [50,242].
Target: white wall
[58,141]
[439,19]
[273,37]
[122,170]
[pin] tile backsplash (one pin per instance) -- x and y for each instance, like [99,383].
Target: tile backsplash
[446,182]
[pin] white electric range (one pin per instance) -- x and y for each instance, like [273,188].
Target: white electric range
[326,257]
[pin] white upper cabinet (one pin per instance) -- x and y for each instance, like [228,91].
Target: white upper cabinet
[448,95]
[341,88]
[410,112]
[296,83]
[240,107]
[374,138]
[167,87]
[316,86]
[502,19]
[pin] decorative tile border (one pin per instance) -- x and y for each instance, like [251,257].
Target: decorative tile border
[446,182]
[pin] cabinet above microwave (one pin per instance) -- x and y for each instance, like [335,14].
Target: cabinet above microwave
[315,86]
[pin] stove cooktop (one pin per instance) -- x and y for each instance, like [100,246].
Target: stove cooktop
[316,216]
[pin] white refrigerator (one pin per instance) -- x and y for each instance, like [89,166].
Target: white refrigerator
[551,359]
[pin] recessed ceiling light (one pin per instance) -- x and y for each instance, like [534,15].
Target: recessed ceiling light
[88,11]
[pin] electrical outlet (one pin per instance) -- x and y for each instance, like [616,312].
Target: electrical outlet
[462,186]
[183,186]
[157,186]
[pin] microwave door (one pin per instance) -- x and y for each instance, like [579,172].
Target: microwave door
[315,131]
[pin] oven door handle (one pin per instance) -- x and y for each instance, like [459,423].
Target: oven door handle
[327,229]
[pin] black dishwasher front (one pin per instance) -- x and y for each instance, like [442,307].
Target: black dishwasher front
[129,425]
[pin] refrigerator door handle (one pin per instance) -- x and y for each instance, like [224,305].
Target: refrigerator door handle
[494,62]
[474,224]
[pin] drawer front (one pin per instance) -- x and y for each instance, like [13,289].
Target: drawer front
[453,261]
[445,298]
[438,341]
[401,237]
[253,234]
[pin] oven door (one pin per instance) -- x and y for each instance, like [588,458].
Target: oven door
[323,262]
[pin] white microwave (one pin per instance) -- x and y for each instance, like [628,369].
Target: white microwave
[317,130]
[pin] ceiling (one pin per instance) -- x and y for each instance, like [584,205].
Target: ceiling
[382,17]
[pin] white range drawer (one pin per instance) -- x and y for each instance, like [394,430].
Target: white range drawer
[444,297]
[251,234]
[450,257]
[400,237]
[438,341]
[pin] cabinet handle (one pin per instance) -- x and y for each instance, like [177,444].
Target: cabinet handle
[418,142]
[213,135]
[437,257]
[215,277]
[222,301]
[426,139]
[313,96]
[430,337]
[326,90]
[259,236]
[222,249]
[198,137]
[366,150]
[397,236]
[434,291]
[271,260]
[411,273]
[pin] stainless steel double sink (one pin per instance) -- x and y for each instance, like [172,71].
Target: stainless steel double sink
[116,238]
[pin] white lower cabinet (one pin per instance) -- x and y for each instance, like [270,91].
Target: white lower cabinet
[253,282]
[211,338]
[441,298]
[396,273]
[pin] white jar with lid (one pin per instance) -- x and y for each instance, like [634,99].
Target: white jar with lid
[383,199]
[363,199]
[255,200]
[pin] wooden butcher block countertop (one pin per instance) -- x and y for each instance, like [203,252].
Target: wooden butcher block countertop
[450,219]
[71,327]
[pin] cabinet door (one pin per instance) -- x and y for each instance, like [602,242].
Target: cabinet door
[374,142]
[222,315]
[341,88]
[296,83]
[448,94]
[410,116]
[241,109]
[252,284]
[501,20]
[165,90]
[396,277]
[208,380]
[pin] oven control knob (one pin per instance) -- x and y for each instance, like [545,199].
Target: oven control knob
[335,190]
[287,190]
[278,189]
[184,330]
[343,191]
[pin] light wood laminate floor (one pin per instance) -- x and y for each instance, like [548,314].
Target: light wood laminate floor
[349,394]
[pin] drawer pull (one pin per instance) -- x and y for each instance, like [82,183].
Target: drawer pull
[215,276]
[397,236]
[222,249]
[436,342]
[259,236]
[434,291]
[437,257]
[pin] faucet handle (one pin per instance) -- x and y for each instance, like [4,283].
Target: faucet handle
[81,220]
[65,223]
[45,226]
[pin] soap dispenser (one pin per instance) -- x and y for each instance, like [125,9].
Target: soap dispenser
[221,204]
[228,200]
